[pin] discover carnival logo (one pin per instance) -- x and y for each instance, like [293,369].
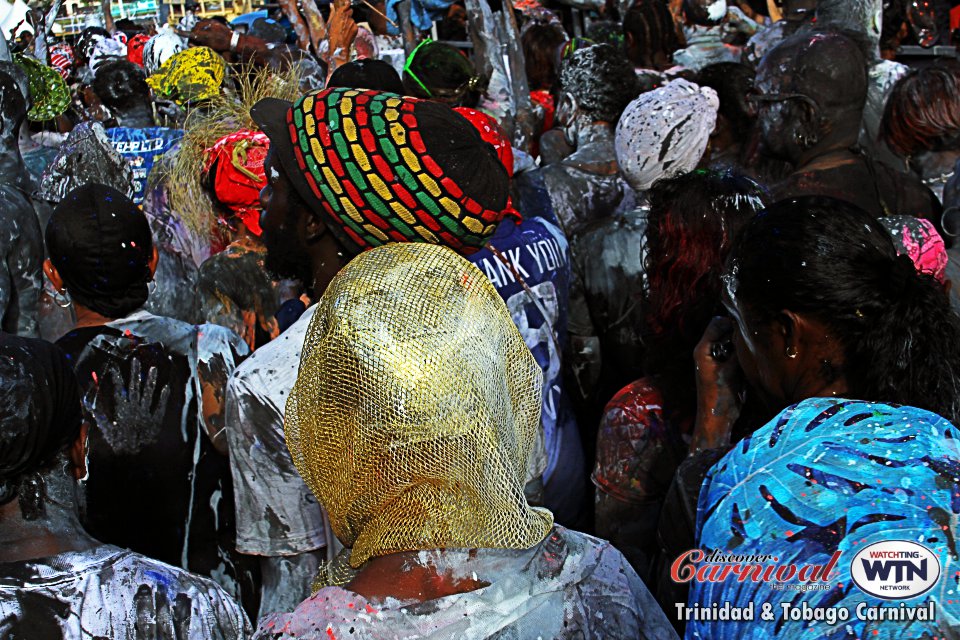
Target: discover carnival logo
[895,569]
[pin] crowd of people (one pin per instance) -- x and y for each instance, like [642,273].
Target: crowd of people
[316,326]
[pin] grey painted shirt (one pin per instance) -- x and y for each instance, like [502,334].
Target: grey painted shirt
[108,592]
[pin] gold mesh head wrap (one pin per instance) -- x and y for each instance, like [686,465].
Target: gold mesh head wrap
[416,407]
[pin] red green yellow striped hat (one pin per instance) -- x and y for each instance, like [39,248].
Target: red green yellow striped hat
[386,168]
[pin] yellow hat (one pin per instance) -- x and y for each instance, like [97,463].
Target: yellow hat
[192,75]
[416,408]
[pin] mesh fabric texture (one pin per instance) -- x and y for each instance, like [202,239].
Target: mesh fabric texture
[416,407]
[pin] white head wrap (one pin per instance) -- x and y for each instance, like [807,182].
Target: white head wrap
[664,132]
[161,48]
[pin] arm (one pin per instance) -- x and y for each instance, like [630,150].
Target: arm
[23,264]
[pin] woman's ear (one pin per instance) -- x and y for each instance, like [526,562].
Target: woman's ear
[78,453]
[154,259]
[789,327]
[52,275]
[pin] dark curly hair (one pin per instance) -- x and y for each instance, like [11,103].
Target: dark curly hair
[833,261]
[690,229]
[121,85]
[601,79]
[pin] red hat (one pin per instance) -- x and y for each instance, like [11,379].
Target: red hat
[135,48]
[493,134]
[238,160]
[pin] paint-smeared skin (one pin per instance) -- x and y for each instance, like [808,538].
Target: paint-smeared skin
[21,257]
[638,452]
[109,593]
[608,262]
[568,586]
[235,292]
[584,186]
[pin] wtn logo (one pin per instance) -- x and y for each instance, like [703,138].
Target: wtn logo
[895,569]
[902,569]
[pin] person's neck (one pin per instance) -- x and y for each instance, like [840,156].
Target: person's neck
[137,117]
[326,261]
[832,150]
[418,576]
[89,318]
[57,531]
[593,131]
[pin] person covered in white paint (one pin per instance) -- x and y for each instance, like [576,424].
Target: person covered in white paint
[153,391]
[21,242]
[579,167]
[56,580]
[661,134]
[412,420]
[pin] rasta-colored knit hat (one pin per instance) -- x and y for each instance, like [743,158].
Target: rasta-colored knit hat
[384,168]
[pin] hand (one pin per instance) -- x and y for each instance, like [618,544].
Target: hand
[341,32]
[128,420]
[718,386]
[213,34]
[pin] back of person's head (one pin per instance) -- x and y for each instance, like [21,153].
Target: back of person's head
[833,262]
[431,178]
[121,85]
[706,13]
[541,41]
[650,33]
[416,406]
[733,82]
[87,39]
[828,67]
[99,241]
[438,71]
[923,111]
[376,75]
[665,132]
[691,226]
[128,26]
[601,80]
[40,417]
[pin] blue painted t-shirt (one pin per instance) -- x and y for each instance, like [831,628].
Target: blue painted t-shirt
[529,264]
[142,148]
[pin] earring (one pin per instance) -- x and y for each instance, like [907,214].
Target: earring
[62,299]
[791,352]
[151,287]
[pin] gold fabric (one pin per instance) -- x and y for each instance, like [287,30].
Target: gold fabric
[416,407]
